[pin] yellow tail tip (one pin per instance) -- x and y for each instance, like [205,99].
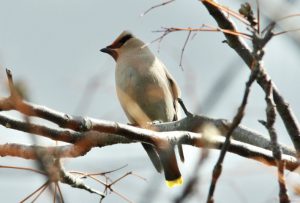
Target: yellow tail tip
[173,183]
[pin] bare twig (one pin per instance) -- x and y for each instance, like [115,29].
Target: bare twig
[258,16]
[236,121]
[287,17]
[68,178]
[156,6]
[92,175]
[109,185]
[40,192]
[23,168]
[37,190]
[55,192]
[183,48]
[286,31]
[60,193]
[110,171]
[277,153]
[203,28]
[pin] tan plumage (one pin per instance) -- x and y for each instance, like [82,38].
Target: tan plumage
[147,92]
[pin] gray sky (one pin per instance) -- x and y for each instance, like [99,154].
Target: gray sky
[53,47]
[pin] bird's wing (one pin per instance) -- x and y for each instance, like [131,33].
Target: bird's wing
[175,91]
[176,94]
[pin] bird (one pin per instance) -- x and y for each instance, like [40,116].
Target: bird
[147,93]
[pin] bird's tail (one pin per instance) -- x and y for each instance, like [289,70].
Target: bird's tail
[169,163]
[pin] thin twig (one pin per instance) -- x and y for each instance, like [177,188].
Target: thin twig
[203,28]
[288,16]
[236,121]
[34,192]
[110,171]
[277,152]
[84,175]
[24,168]
[183,48]
[120,178]
[40,192]
[258,16]
[55,192]
[122,196]
[286,31]
[71,180]
[60,193]
[156,6]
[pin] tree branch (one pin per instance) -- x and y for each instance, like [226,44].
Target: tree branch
[236,43]
[86,133]
[189,138]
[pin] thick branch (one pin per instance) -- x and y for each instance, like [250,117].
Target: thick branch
[197,140]
[198,123]
[128,134]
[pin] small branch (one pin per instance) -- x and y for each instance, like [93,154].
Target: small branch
[56,173]
[183,48]
[288,16]
[286,31]
[203,28]
[75,182]
[21,168]
[34,192]
[277,153]
[156,6]
[236,121]
[258,16]
[60,193]
[40,192]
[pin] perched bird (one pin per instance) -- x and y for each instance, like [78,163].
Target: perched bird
[147,92]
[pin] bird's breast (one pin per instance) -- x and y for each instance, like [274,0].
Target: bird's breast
[144,87]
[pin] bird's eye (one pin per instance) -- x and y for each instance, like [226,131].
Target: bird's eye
[125,39]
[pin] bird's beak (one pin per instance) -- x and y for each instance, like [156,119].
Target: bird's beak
[106,50]
[110,51]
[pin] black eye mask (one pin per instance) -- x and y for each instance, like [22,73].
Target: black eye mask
[121,42]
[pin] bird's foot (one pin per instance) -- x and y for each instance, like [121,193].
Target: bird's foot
[187,113]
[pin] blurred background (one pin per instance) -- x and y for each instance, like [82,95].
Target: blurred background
[52,48]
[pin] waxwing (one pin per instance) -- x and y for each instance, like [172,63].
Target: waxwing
[147,92]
